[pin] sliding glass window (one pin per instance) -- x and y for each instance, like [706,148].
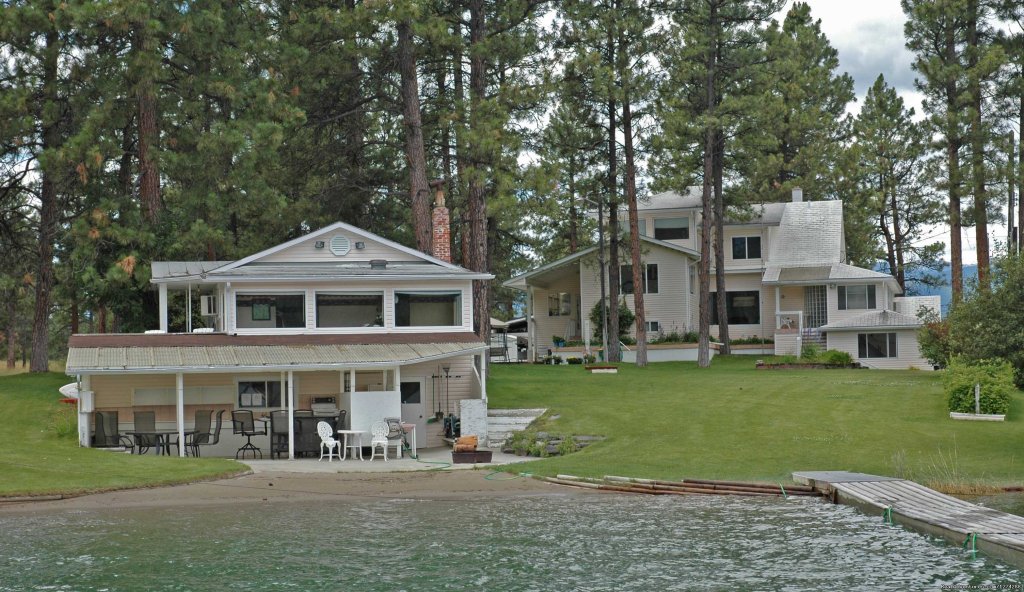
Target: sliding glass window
[350,310]
[428,309]
[270,311]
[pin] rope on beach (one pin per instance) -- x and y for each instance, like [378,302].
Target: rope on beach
[784,495]
[972,538]
[887,515]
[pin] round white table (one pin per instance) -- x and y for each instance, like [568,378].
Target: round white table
[357,442]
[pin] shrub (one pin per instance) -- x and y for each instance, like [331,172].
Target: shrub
[994,376]
[835,357]
[677,337]
[751,341]
[574,360]
[626,318]
[810,351]
[589,358]
[557,341]
[933,339]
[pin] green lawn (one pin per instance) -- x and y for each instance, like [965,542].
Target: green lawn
[35,460]
[731,421]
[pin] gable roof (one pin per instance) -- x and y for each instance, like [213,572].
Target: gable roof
[810,234]
[841,273]
[519,281]
[878,319]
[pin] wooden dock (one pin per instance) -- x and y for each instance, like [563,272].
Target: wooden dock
[917,507]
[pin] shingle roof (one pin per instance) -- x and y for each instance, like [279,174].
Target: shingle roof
[173,269]
[251,354]
[779,274]
[810,233]
[875,320]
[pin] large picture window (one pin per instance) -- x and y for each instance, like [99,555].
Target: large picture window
[876,345]
[742,308]
[350,310]
[559,304]
[746,247]
[671,228]
[267,311]
[259,393]
[428,309]
[650,279]
[857,297]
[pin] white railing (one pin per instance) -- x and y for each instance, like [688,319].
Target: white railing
[790,315]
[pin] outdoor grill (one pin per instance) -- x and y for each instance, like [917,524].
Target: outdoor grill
[324,407]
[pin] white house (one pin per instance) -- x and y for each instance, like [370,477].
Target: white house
[786,278]
[339,318]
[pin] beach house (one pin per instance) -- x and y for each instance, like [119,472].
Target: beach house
[786,276]
[339,322]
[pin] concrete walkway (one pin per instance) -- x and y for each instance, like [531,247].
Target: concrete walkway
[429,459]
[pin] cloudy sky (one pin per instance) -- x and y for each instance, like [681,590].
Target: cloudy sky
[869,37]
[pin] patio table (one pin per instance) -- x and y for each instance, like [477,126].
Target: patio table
[357,442]
[163,438]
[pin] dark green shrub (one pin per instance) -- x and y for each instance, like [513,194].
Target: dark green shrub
[810,351]
[835,358]
[626,318]
[589,358]
[574,360]
[750,341]
[994,376]
[933,339]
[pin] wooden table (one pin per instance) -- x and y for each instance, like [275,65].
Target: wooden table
[357,446]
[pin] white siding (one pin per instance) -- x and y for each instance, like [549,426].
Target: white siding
[306,251]
[834,314]
[730,232]
[907,349]
[548,326]
[744,282]
[463,384]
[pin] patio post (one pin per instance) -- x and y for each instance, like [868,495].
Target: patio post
[778,307]
[163,307]
[291,415]
[483,380]
[179,380]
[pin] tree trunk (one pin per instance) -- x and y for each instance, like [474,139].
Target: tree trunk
[51,114]
[718,162]
[1011,187]
[639,272]
[890,245]
[149,134]
[12,327]
[614,281]
[978,151]
[1020,178]
[419,193]
[953,168]
[478,156]
[707,213]
[574,241]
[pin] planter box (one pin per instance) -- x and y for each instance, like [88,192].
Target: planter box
[480,456]
[977,416]
[602,369]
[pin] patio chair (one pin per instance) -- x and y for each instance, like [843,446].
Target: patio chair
[107,434]
[242,423]
[145,421]
[327,441]
[201,435]
[341,419]
[396,435]
[379,437]
[215,436]
[278,433]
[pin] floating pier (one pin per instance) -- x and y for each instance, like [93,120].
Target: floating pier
[919,508]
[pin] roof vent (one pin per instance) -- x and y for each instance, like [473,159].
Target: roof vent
[798,195]
[378,264]
[340,245]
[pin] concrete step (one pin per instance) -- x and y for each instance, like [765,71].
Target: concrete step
[501,423]
[515,412]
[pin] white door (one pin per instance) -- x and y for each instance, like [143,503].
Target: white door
[414,406]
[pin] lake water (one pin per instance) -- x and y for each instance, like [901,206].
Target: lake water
[598,542]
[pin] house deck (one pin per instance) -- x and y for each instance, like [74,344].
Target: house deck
[920,508]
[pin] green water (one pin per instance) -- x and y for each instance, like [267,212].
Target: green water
[605,542]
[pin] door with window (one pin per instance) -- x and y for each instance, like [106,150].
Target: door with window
[413,409]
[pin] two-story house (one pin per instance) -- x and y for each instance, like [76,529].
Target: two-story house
[338,317]
[786,278]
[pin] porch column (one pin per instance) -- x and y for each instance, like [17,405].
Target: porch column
[179,380]
[398,379]
[291,415]
[778,307]
[529,325]
[84,410]
[163,307]
[483,380]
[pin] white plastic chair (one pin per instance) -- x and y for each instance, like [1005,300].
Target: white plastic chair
[379,437]
[327,441]
[396,434]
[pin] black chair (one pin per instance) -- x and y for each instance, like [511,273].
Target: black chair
[216,432]
[341,419]
[242,423]
[107,434]
[201,431]
[278,433]
[145,421]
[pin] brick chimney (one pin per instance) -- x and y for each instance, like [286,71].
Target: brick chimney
[440,224]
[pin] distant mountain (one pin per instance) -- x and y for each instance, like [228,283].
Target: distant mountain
[946,292]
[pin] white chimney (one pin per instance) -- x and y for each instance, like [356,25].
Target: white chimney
[798,195]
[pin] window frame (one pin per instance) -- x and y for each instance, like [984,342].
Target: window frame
[685,228]
[267,380]
[870,298]
[728,306]
[267,294]
[628,277]
[316,307]
[864,346]
[460,294]
[745,241]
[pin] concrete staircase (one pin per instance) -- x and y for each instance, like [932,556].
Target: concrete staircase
[501,423]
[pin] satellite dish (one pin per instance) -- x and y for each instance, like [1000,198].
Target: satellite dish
[340,245]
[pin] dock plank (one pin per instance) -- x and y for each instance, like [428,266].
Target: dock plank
[925,509]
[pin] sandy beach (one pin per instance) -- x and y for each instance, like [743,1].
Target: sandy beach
[280,487]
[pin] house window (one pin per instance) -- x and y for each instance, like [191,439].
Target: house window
[642,226]
[876,345]
[856,297]
[268,311]
[671,228]
[650,279]
[742,308]
[259,393]
[435,309]
[559,304]
[746,247]
[653,327]
[349,310]
[693,278]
